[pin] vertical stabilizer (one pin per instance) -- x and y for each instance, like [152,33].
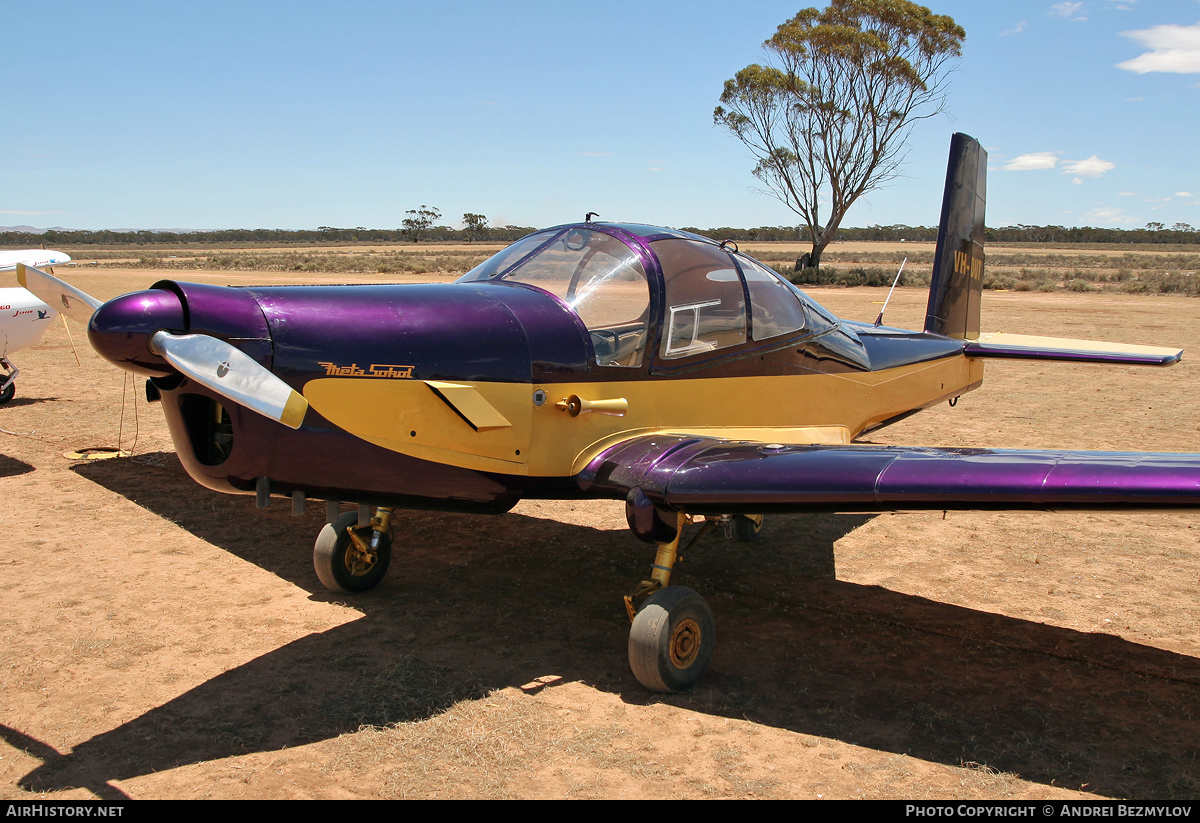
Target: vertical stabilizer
[957,283]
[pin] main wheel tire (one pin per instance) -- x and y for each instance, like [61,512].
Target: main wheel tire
[8,393]
[745,529]
[671,640]
[337,560]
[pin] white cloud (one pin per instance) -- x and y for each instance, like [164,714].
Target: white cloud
[1110,214]
[1092,167]
[1017,29]
[1068,11]
[1183,194]
[1036,160]
[1173,49]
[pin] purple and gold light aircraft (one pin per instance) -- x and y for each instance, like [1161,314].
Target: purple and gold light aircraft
[599,360]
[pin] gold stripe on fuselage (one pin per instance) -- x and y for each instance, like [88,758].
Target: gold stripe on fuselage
[410,417]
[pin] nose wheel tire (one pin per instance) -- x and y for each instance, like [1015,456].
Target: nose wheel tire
[7,393]
[671,640]
[342,565]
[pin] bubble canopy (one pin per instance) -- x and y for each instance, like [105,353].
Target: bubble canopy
[616,276]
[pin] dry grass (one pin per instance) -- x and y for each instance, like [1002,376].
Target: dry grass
[1097,267]
[423,260]
[984,655]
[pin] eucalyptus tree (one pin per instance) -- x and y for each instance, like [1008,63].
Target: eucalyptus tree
[419,221]
[475,225]
[828,117]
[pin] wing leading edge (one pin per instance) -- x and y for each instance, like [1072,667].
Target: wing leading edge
[710,476]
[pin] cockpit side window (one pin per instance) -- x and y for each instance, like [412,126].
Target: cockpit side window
[601,279]
[776,309]
[706,306]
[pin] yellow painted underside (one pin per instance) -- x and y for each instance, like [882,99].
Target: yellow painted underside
[410,417]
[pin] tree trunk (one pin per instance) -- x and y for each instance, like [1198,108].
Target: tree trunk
[811,260]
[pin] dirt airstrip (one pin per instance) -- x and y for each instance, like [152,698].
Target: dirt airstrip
[163,641]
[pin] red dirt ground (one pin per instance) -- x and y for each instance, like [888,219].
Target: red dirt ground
[163,641]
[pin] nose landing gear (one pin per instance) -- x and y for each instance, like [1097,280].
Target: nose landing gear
[352,558]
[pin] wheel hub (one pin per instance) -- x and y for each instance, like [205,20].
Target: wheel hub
[685,643]
[358,562]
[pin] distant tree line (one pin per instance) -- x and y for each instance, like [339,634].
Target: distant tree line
[323,234]
[476,229]
[1151,233]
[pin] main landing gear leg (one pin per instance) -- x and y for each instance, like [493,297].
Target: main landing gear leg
[352,558]
[673,632]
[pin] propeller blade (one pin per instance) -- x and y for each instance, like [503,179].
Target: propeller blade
[58,294]
[231,373]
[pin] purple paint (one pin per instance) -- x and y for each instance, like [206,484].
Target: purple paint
[120,329]
[517,333]
[714,477]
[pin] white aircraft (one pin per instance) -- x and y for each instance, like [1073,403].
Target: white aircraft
[32,257]
[23,318]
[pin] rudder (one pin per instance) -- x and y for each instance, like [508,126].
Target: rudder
[957,286]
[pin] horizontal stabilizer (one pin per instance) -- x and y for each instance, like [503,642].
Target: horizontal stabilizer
[1033,347]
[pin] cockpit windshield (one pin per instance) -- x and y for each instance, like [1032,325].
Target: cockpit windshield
[595,274]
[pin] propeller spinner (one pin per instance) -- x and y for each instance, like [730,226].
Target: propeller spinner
[211,362]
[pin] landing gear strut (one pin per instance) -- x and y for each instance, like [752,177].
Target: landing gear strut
[673,633]
[352,558]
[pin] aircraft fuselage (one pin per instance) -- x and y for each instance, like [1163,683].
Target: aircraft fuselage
[454,395]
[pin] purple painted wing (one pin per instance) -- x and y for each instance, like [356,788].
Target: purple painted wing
[709,476]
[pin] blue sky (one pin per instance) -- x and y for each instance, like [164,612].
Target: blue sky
[299,114]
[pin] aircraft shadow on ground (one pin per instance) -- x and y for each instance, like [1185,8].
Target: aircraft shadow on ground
[11,466]
[797,649]
[16,402]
